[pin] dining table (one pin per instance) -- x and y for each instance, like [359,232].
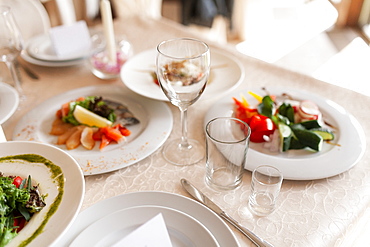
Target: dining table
[331,211]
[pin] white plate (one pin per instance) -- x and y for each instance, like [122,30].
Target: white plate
[28,58]
[303,164]
[154,128]
[218,228]
[183,230]
[226,74]
[9,101]
[40,47]
[72,188]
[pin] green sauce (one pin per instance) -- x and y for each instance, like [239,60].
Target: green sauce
[56,174]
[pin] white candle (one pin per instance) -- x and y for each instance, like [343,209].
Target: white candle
[107,20]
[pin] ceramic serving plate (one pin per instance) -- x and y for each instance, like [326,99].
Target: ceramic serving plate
[347,149]
[59,177]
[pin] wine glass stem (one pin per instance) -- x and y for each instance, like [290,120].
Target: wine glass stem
[184,128]
[17,82]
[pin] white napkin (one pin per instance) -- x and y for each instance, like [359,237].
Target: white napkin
[153,233]
[70,39]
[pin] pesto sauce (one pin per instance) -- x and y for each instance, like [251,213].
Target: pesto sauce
[56,174]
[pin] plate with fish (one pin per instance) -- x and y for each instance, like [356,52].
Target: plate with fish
[138,74]
[148,121]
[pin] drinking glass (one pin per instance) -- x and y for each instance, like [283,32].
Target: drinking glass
[183,67]
[227,144]
[265,185]
[11,43]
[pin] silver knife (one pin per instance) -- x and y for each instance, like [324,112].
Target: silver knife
[199,196]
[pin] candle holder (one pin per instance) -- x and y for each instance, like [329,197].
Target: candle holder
[100,64]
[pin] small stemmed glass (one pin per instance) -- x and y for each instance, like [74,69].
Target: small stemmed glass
[11,44]
[183,67]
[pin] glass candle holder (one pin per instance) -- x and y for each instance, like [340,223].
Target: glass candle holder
[102,67]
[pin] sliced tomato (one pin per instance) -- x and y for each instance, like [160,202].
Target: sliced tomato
[17,181]
[19,223]
[22,223]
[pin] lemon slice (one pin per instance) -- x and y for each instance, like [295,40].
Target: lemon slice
[89,118]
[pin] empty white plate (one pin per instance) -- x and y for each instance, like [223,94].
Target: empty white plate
[184,230]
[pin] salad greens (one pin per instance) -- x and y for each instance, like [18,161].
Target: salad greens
[92,103]
[16,203]
[294,135]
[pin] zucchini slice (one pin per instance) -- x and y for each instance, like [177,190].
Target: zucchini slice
[327,135]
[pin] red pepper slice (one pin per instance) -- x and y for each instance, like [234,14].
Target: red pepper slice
[261,126]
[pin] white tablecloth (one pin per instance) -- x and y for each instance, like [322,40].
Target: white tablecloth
[310,213]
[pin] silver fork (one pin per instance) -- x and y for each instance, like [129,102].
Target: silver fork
[28,71]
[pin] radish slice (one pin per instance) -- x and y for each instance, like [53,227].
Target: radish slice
[308,110]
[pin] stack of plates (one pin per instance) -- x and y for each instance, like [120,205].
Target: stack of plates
[188,222]
[39,51]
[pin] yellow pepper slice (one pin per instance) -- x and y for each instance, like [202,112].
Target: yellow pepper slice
[256,96]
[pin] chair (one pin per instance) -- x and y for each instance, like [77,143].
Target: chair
[30,15]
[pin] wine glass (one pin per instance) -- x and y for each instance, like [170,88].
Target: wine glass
[183,67]
[11,43]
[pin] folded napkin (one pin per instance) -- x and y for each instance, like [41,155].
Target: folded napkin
[153,233]
[70,39]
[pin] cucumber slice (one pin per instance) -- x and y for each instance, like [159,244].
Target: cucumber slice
[297,126]
[285,136]
[295,144]
[309,138]
[311,124]
[327,135]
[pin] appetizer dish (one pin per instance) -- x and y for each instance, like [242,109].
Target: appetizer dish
[19,201]
[87,120]
[139,75]
[283,123]
[182,73]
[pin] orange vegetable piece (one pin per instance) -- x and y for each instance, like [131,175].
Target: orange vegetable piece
[113,133]
[104,142]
